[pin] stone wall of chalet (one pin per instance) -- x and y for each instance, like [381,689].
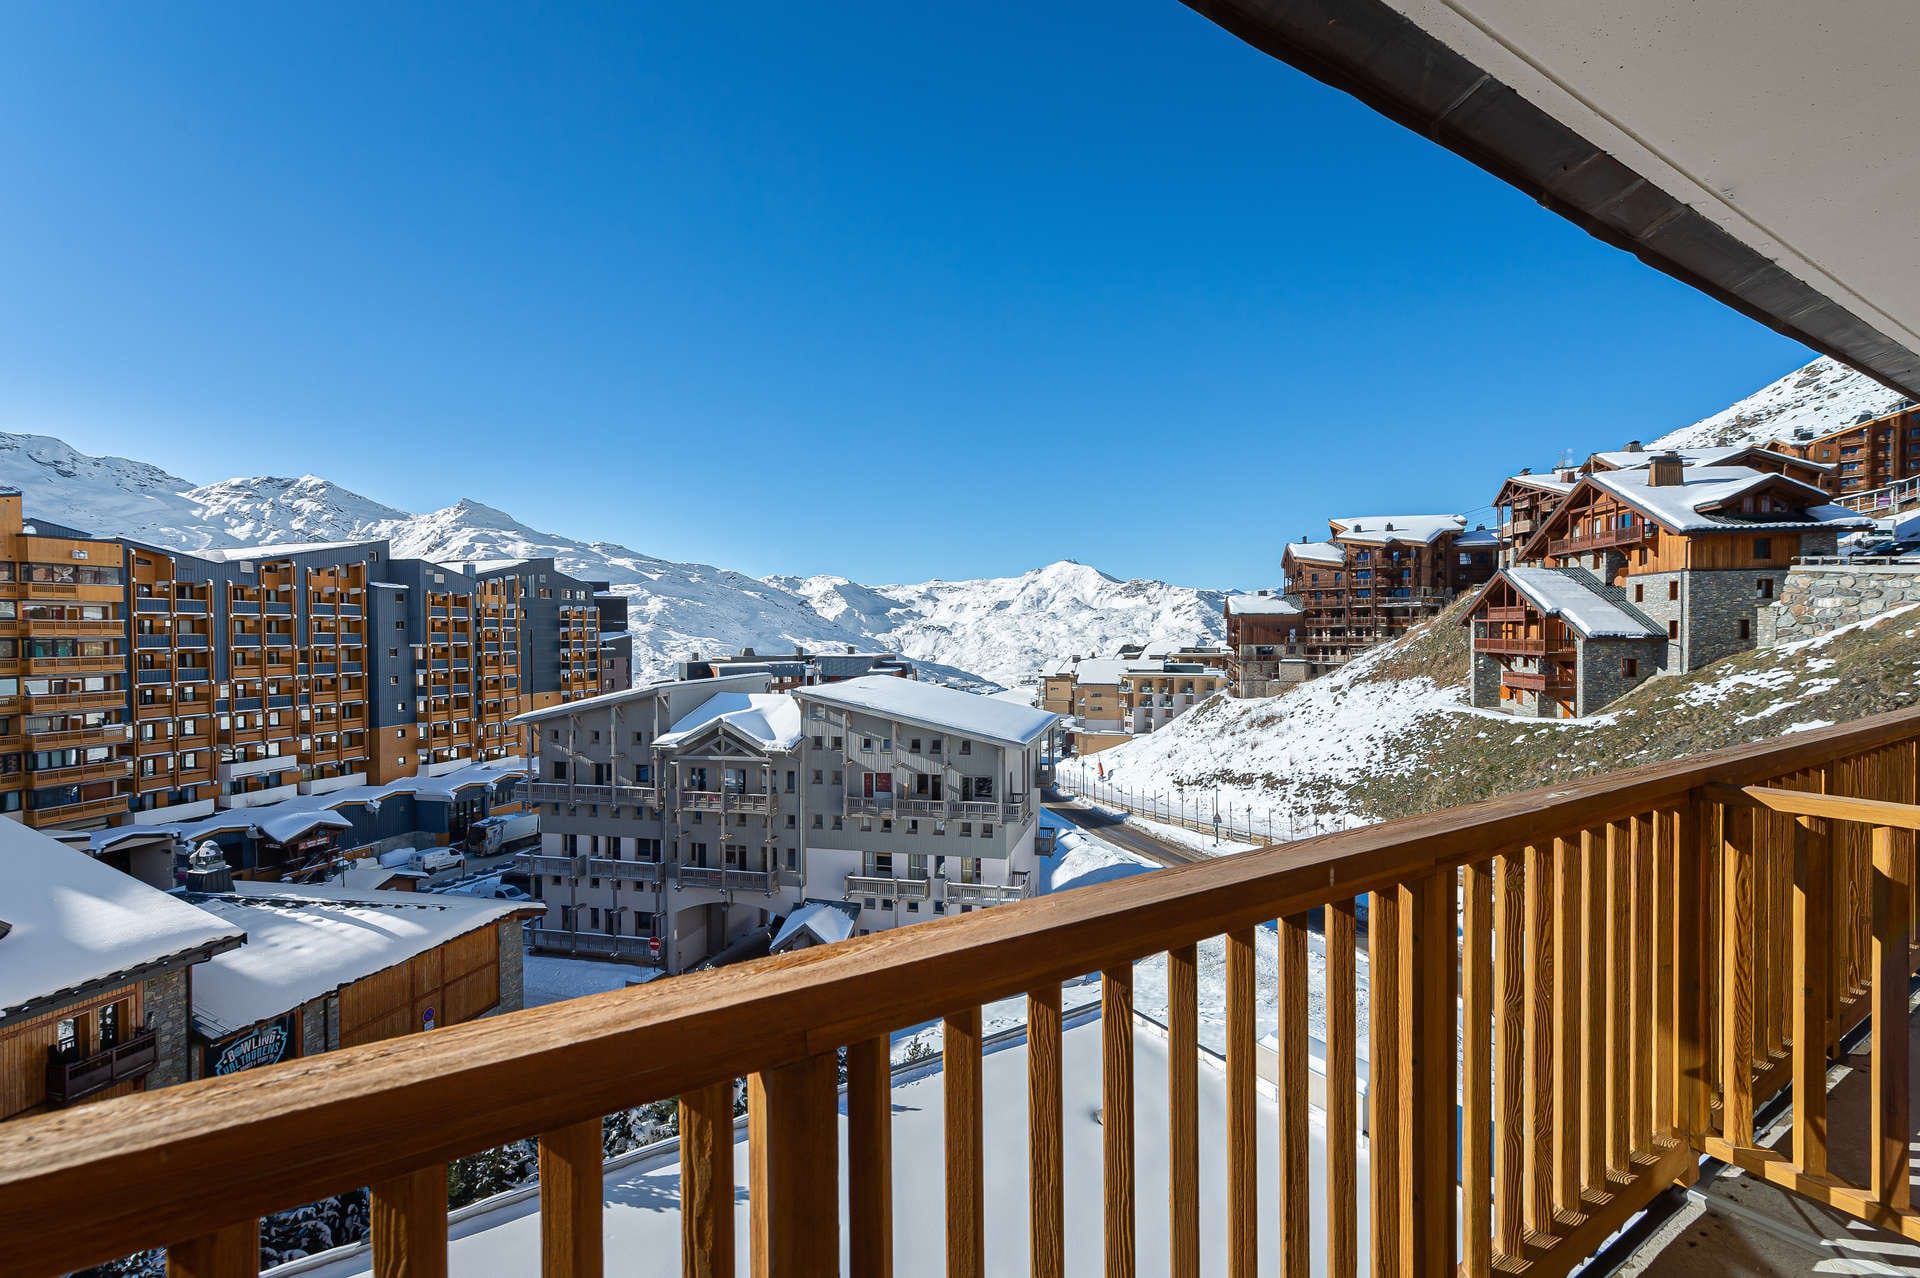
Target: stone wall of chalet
[1817,599]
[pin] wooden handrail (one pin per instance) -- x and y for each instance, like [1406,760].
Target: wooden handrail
[182,1161]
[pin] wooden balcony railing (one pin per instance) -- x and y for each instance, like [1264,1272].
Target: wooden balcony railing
[1574,994]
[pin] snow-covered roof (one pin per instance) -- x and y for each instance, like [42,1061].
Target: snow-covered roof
[389,585]
[1477,537]
[641,692]
[75,922]
[1385,528]
[292,817]
[770,718]
[935,706]
[1317,552]
[1631,459]
[825,921]
[285,550]
[1100,670]
[1685,507]
[1573,595]
[1260,606]
[1545,483]
[307,940]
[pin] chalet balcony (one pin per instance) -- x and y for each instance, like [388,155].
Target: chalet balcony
[38,626]
[1545,682]
[73,813]
[1575,996]
[1605,539]
[69,1081]
[76,774]
[1521,646]
[759,802]
[64,738]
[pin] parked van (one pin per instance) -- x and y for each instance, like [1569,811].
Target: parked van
[434,860]
[494,835]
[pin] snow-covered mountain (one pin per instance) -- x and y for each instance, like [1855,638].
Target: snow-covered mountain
[996,630]
[1819,397]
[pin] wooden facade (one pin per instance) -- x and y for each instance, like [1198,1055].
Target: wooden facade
[1373,588]
[86,1026]
[1869,455]
[454,983]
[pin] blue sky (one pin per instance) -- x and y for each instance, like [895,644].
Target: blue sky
[890,291]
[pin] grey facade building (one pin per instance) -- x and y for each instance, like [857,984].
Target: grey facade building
[678,818]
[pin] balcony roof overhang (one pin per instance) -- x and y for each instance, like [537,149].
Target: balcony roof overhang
[1761,154]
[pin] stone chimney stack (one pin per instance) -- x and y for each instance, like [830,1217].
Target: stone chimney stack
[207,870]
[1665,471]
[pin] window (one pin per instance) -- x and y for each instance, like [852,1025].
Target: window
[1673,589]
[1763,547]
[1639,592]
[1673,630]
[1746,628]
[966,747]
[1765,586]
[1629,668]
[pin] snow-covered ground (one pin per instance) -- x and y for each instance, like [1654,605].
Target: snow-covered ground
[642,1192]
[554,978]
[1187,838]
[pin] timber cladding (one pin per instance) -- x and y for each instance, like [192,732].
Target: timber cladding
[458,981]
[23,1047]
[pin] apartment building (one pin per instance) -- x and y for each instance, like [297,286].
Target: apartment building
[66,755]
[1524,500]
[1264,643]
[146,685]
[678,817]
[1865,455]
[1377,576]
[616,642]
[1158,692]
[1109,700]
[1658,568]
[800,669]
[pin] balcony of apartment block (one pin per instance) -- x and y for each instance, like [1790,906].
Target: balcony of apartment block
[647,872]
[157,604]
[79,737]
[102,663]
[80,773]
[246,639]
[76,628]
[243,608]
[185,673]
[729,801]
[958,893]
[52,701]
[548,863]
[74,1078]
[554,940]
[1588,539]
[864,885]
[68,814]
[189,605]
[727,880]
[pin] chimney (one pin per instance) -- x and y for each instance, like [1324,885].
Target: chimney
[1665,470]
[207,870]
[1265,593]
[1634,446]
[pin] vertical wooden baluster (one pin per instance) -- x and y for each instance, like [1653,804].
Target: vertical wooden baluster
[1694,962]
[1116,1116]
[706,1179]
[1183,1112]
[1594,1022]
[571,1194]
[1509,1053]
[869,1159]
[1736,975]
[1663,1100]
[1343,1206]
[1387,1190]
[1295,1237]
[966,1185]
[1760,858]
[1641,963]
[1891,1130]
[793,1157]
[1568,969]
[1785,833]
[1046,1155]
[1617,920]
[408,1218]
[1476,1069]
[1812,882]
[232,1252]
[1243,1258]
[1541,1035]
[1428,1072]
